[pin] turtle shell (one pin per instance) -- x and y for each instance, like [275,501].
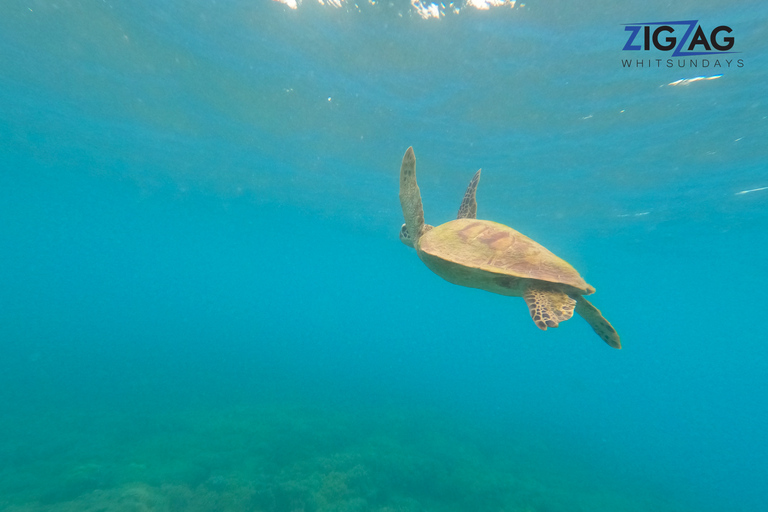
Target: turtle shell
[498,249]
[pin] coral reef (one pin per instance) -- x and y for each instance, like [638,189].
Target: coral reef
[275,459]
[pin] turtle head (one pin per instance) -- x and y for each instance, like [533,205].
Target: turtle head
[406,238]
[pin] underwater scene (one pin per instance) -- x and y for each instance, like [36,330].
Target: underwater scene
[222,287]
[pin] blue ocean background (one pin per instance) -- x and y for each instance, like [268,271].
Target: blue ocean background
[204,304]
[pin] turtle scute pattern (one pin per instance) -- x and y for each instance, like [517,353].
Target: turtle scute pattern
[496,247]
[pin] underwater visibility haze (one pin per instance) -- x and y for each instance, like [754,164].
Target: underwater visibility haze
[205,304]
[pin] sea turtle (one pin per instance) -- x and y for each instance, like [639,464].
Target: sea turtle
[496,258]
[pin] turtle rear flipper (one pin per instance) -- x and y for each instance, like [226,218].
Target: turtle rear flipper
[548,307]
[599,324]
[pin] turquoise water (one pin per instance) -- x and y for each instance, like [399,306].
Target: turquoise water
[204,304]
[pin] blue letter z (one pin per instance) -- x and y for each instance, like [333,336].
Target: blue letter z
[634,30]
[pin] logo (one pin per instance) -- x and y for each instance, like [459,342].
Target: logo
[684,39]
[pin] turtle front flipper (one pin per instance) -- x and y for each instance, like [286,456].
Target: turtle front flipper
[468,209]
[410,198]
[599,324]
[548,307]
